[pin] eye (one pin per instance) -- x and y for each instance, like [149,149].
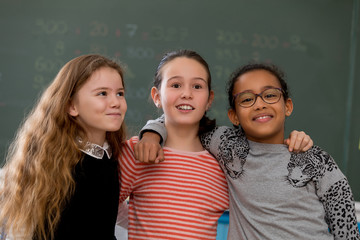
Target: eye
[246,98]
[198,86]
[102,93]
[271,94]
[308,169]
[291,165]
[175,85]
[121,94]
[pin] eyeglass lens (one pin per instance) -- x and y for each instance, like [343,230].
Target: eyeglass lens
[247,99]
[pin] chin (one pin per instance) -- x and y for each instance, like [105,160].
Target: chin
[113,129]
[262,136]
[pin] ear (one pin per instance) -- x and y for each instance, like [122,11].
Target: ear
[155,95]
[210,101]
[233,117]
[288,107]
[73,110]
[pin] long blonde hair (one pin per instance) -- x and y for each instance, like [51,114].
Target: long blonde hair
[38,179]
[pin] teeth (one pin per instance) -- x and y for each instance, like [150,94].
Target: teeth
[263,117]
[185,107]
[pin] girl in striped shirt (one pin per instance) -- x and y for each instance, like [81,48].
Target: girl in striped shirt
[182,197]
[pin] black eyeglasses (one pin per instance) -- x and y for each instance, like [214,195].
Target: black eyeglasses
[248,99]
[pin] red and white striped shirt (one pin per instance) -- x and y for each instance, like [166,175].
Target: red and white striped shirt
[179,198]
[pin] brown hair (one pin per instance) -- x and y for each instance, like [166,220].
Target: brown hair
[206,124]
[38,173]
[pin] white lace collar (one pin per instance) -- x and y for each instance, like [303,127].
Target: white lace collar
[97,151]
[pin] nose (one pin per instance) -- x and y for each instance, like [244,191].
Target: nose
[186,92]
[259,103]
[115,101]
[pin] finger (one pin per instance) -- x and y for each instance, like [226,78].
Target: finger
[296,140]
[308,146]
[136,151]
[291,142]
[305,142]
[141,152]
[160,156]
[297,144]
[301,141]
[287,142]
[145,153]
[153,152]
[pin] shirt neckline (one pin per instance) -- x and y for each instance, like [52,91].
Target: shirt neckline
[97,151]
[186,152]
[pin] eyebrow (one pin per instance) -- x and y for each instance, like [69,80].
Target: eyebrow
[262,89]
[196,78]
[106,88]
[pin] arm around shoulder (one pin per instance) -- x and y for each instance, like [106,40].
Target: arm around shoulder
[225,142]
[156,126]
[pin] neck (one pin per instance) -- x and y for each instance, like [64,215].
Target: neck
[183,138]
[99,140]
[279,139]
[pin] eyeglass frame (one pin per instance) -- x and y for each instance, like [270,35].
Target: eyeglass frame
[258,95]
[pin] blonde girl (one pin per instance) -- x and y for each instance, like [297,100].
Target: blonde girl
[60,180]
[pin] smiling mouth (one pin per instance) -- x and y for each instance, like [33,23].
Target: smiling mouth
[260,118]
[185,107]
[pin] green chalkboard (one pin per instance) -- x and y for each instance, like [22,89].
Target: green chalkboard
[316,42]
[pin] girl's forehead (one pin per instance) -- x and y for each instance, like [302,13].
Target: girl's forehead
[104,77]
[184,66]
[256,80]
